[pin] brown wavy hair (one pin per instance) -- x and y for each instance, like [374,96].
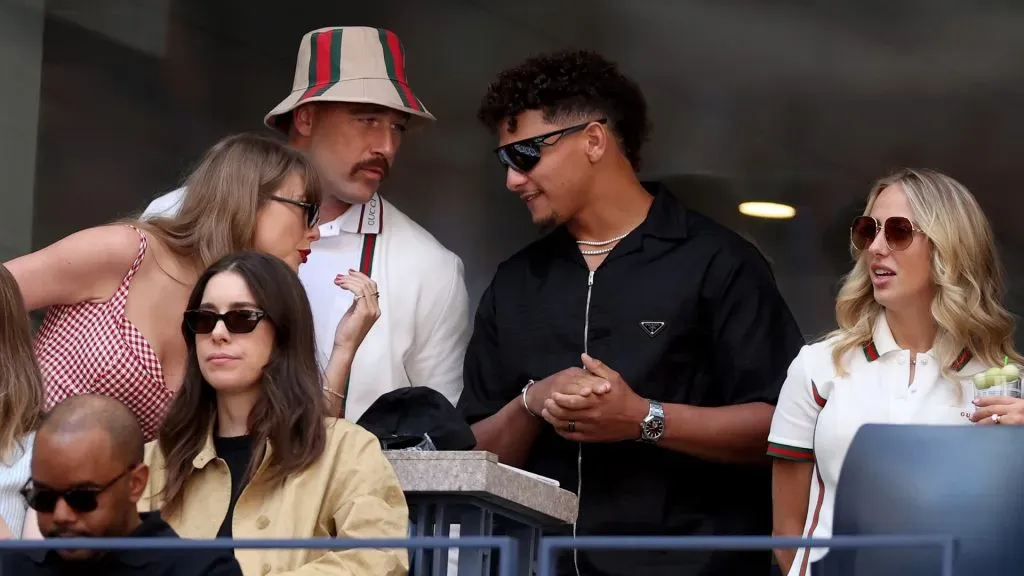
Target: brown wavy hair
[289,416]
[21,385]
[225,192]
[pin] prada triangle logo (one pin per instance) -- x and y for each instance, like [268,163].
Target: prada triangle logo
[652,328]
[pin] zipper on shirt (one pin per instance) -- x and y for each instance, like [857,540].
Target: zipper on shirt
[586,316]
[579,445]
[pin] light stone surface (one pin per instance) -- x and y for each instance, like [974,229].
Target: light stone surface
[478,474]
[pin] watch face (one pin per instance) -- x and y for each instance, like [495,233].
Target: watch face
[654,428]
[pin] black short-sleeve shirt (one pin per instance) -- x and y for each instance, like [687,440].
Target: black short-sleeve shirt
[688,312]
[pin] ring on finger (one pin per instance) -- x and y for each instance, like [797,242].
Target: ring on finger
[572,426]
[996,418]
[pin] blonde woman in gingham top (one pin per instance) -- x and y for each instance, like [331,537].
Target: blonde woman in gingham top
[115,294]
[918,315]
[21,404]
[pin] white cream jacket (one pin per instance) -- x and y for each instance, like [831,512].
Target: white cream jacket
[421,337]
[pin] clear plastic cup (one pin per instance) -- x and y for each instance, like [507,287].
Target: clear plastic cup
[998,381]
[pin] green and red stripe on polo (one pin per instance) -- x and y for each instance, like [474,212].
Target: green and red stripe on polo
[366,267]
[965,356]
[794,453]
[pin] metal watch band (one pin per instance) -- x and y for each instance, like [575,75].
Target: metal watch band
[655,419]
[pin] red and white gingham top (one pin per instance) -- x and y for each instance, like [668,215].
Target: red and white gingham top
[92,348]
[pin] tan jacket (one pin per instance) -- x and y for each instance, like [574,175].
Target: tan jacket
[351,492]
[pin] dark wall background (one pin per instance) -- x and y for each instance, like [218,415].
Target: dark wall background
[803,102]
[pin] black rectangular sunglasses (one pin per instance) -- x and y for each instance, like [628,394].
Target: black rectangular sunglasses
[524,155]
[80,499]
[312,210]
[236,321]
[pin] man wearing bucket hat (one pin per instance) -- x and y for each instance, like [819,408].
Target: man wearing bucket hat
[349,108]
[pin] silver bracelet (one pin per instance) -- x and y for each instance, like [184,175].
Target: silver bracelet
[337,395]
[525,405]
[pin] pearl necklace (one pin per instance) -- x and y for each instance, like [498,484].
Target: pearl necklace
[600,243]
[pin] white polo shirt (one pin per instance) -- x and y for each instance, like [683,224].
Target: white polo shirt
[818,412]
[346,243]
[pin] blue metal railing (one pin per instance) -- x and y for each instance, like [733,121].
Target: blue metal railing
[508,547]
[548,546]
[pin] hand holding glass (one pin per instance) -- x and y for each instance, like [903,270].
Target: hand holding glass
[998,381]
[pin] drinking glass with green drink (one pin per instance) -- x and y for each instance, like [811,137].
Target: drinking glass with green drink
[998,381]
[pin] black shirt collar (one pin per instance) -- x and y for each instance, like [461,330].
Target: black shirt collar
[667,216]
[152,526]
[666,219]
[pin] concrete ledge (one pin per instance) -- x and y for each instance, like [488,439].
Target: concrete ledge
[478,474]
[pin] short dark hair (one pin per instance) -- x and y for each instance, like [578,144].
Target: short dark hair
[575,84]
[290,412]
[87,412]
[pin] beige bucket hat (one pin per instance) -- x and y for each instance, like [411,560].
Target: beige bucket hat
[350,64]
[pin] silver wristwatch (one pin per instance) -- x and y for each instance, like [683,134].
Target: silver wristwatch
[653,426]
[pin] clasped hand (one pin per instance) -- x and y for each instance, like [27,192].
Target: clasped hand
[593,404]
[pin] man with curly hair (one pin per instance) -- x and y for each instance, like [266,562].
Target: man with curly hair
[634,353]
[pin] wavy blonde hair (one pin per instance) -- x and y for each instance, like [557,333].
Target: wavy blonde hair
[224,194]
[21,385]
[966,271]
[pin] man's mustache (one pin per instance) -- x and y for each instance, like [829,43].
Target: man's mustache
[376,163]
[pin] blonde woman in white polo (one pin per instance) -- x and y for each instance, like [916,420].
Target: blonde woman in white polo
[918,315]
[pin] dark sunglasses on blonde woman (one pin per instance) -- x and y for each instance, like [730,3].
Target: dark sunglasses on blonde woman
[312,211]
[897,231]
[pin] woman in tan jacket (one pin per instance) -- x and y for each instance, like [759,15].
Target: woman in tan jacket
[246,450]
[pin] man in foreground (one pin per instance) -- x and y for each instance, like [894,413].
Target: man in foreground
[349,109]
[635,353]
[87,478]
